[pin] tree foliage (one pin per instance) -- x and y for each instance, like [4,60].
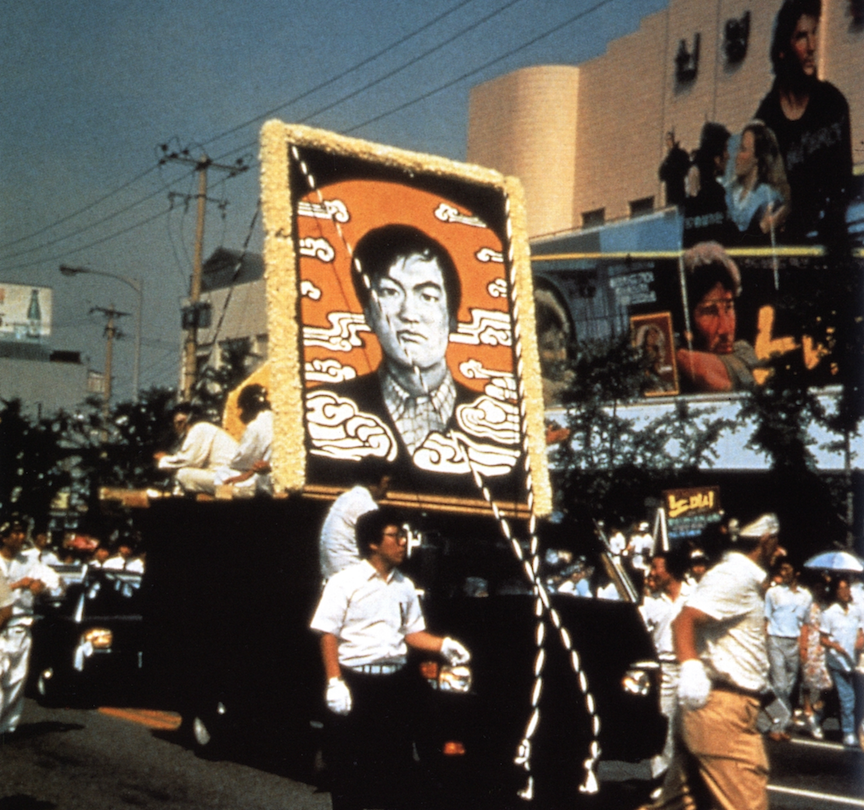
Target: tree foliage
[613,458]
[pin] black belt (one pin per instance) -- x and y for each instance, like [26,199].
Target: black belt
[378,669]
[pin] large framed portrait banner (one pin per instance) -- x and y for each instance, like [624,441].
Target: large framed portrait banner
[401,325]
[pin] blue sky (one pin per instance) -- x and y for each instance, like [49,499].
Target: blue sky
[91,89]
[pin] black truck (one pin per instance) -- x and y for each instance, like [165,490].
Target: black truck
[553,682]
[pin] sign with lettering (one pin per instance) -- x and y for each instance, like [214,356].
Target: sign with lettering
[691,502]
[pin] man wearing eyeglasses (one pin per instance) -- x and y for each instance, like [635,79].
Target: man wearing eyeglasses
[714,360]
[368,617]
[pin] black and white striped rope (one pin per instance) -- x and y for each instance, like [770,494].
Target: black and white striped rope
[531,565]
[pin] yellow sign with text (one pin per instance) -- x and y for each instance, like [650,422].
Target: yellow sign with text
[692,501]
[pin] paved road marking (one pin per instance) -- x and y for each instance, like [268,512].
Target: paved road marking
[162,721]
[818,744]
[811,794]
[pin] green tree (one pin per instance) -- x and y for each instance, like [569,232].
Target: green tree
[611,461]
[31,462]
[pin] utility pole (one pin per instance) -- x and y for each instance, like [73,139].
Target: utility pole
[110,333]
[190,343]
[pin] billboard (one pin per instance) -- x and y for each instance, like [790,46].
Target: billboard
[25,312]
[401,324]
[709,320]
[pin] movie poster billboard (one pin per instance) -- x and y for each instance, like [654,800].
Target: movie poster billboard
[400,323]
[708,320]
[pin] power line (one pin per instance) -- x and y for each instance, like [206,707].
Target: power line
[368,60]
[80,210]
[89,245]
[482,67]
[88,227]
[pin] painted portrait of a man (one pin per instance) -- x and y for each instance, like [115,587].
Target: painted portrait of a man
[395,287]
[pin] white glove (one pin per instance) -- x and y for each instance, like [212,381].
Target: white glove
[694,686]
[338,696]
[454,652]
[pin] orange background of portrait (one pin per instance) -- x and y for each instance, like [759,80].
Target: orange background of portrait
[371,204]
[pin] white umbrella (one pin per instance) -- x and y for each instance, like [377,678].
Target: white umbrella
[836,561]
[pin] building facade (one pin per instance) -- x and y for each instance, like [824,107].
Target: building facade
[587,140]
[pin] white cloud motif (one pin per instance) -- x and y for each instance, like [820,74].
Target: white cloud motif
[447,213]
[486,255]
[473,369]
[337,429]
[497,288]
[488,328]
[328,371]
[342,336]
[456,454]
[317,247]
[503,388]
[488,418]
[309,290]
[326,209]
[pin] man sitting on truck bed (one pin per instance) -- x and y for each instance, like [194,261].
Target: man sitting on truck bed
[368,616]
[204,449]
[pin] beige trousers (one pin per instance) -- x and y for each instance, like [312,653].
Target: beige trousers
[720,761]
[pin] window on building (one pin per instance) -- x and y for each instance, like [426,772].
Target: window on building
[593,219]
[641,207]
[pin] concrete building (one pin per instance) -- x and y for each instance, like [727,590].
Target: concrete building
[232,285]
[587,140]
[45,381]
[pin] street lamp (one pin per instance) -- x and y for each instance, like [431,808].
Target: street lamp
[137,285]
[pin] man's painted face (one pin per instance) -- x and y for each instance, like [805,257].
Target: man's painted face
[803,43]
[411,319]
[714,321]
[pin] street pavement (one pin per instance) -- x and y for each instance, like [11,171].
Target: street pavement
[62,759]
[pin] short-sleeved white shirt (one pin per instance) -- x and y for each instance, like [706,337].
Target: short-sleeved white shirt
[841,626]
[658,612]
[369,616]
[20,566]
[733,646]
[787,610]
[338,543]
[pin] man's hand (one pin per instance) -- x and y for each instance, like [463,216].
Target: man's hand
[338,696]
[454,652]
[694,686]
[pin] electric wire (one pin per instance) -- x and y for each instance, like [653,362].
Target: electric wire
[482,67]
[353,69]
[80,211]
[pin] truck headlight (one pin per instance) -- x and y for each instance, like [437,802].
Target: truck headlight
[639,679]
[447,678]
[101,638]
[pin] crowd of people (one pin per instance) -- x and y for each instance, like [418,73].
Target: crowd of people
[32,568]
[787,176]
[747,652]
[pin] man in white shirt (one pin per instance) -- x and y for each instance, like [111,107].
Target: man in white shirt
[658,612]
[719,640]
[204,449]
[368,617]
[787,608]
[842,635]
[250,465]
[26,578]
[337,545]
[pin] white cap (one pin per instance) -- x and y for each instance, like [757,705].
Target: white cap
[766,524]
